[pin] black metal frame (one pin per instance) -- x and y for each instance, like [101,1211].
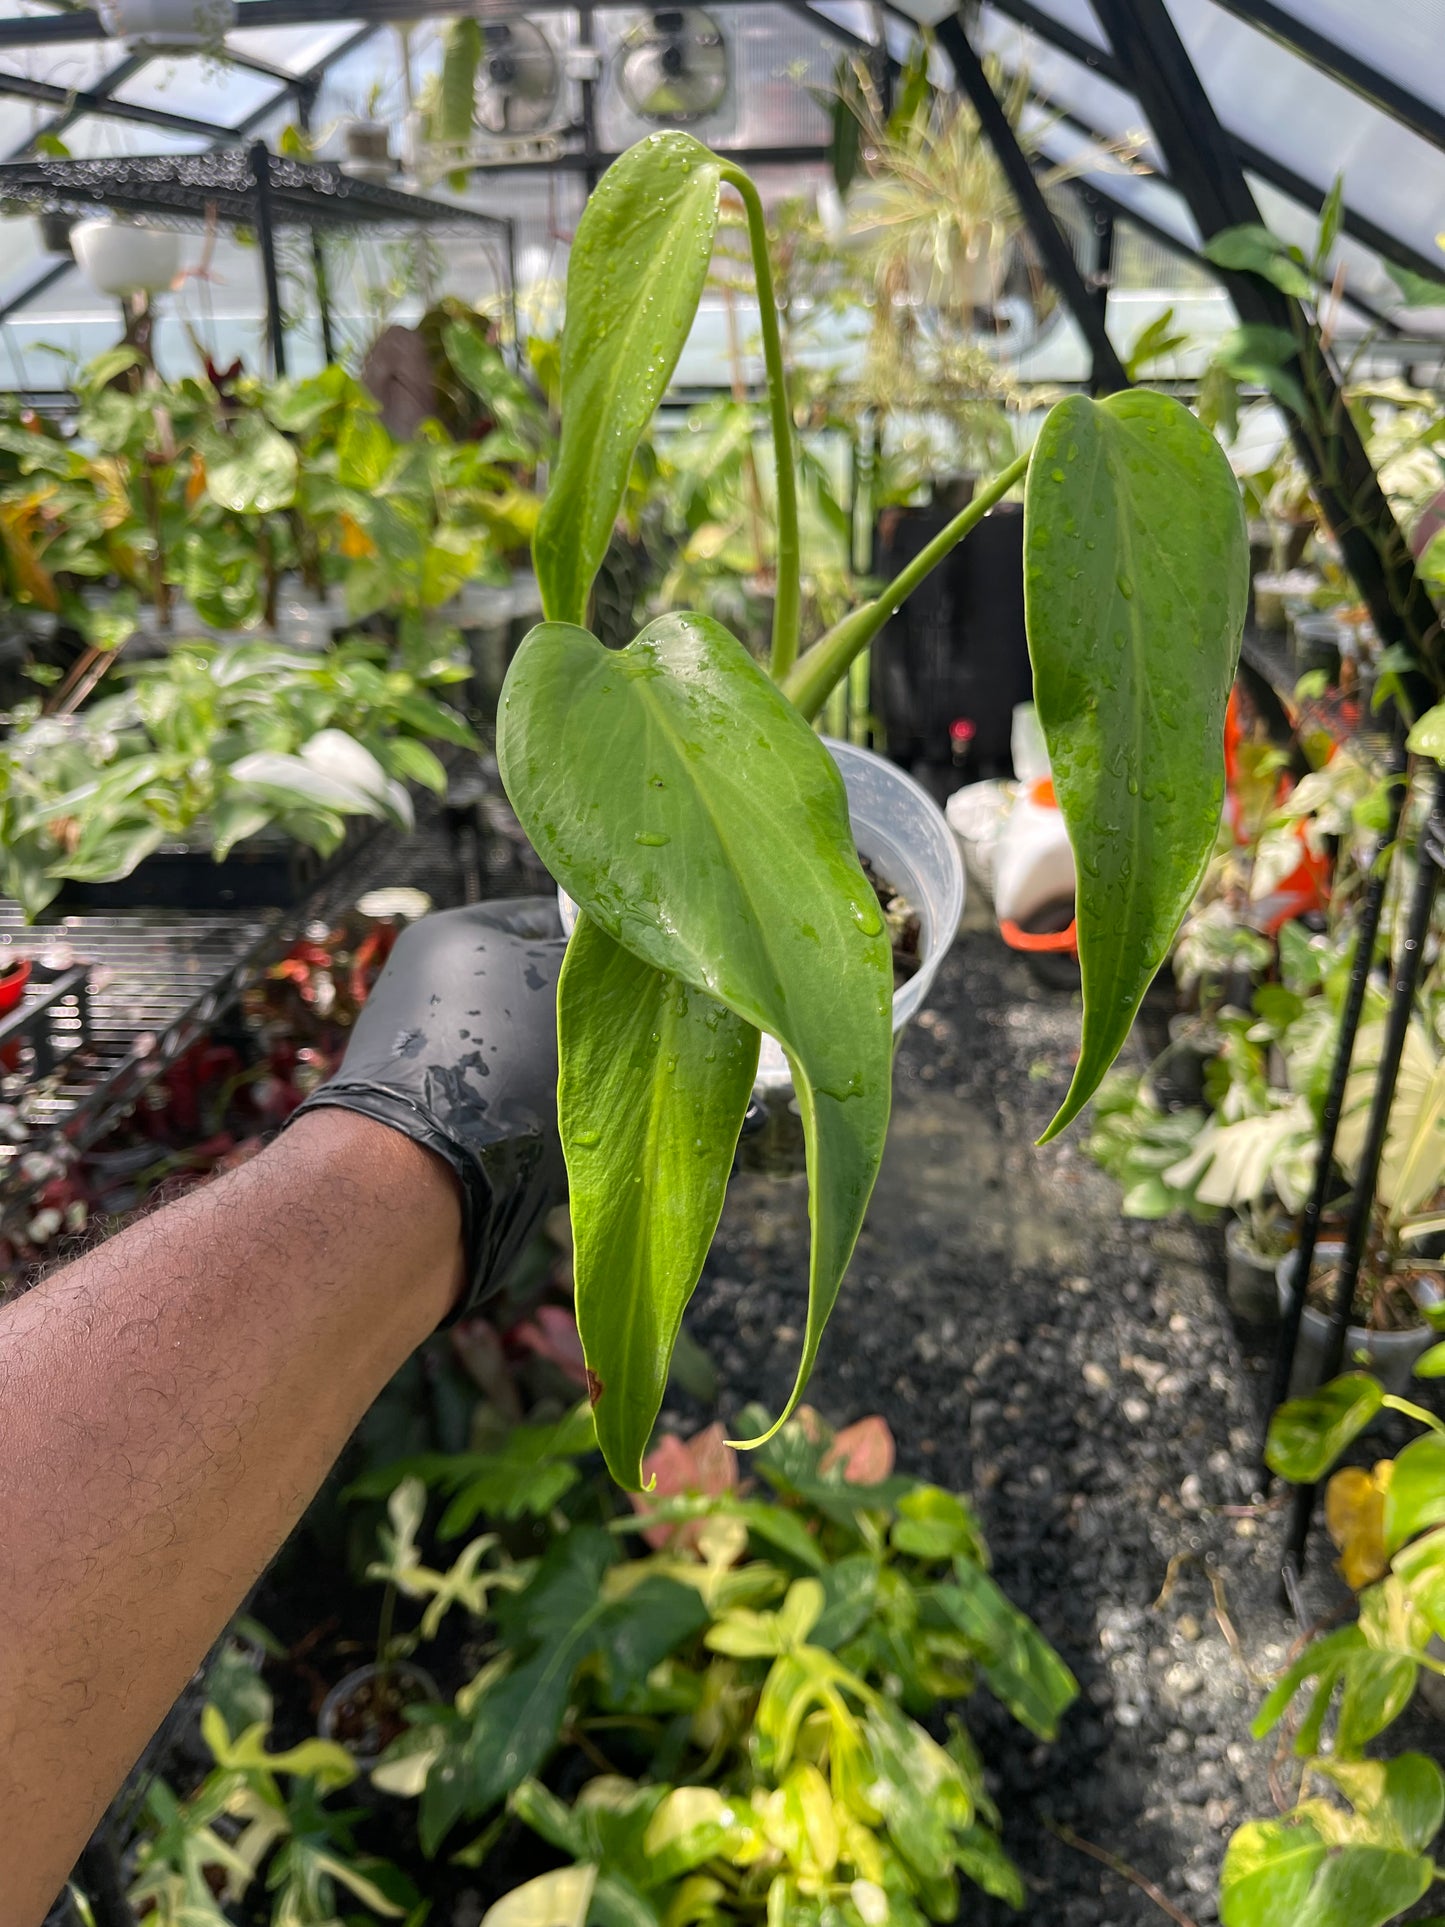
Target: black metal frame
[237,187]
[1048,237]
[1209,174]
[1274,173]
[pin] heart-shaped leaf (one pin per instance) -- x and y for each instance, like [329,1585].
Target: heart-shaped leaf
[682,801]
[1308,1434]
[634,278]
[655,1078]
[1135,584]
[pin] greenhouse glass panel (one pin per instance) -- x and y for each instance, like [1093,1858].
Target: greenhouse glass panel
[297,49]
[1401,40]
[200,88]
[1299,116]
[95,136]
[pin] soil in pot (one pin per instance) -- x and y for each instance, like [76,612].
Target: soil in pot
[367,1710]
[905,926]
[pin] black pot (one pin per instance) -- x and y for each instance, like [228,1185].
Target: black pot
[263,873]
[55,229]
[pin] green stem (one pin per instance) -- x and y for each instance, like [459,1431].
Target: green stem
[814,675]
[787,603]
[1416,1412]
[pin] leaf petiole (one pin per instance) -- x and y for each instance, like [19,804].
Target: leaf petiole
[787,604]
[817,673]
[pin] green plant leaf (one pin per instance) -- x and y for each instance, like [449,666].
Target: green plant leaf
[1254,249]
[457,97]
[634,277]
[1420,1568]
[1415,1495]
[1427,735]
[1330,1868]
[693,815]
[561,1619]
[1136,566]
[655,1078]
[258,475]
[1416,290]
[1017,1661]
[1308,1434]
[1261,354]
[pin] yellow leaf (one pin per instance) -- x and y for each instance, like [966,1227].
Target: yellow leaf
[1355,1517]
[356,544]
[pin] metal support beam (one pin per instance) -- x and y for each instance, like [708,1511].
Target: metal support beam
[76,102]
[1049,237]
[1358,75]
[1205,170]
[1273,172]
[123,71]
[260,156]
[257,118]
[305,101]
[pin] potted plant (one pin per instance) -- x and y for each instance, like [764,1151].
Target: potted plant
[366,141]
[169,23]
[680,797]
[1369,1863]
[1399,1287]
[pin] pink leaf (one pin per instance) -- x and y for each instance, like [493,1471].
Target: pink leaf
[864,1452]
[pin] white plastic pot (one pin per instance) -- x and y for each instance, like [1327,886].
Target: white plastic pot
[1033,863]
[168,23]
[120,258]
[1390,1356]
[903,834]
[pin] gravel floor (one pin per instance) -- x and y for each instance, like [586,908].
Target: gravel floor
[1082,1378]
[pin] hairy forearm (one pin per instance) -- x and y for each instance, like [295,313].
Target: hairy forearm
[168,1405]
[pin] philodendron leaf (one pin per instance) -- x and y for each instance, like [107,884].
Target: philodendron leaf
[634,278]
[689,810]
[1135,581]
[655,1078]
[1307,1435]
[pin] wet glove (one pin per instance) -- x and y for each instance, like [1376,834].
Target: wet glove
[456,1047]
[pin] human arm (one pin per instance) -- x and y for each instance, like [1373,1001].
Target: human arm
[170,1402]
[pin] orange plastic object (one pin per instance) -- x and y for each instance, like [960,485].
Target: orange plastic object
[1040,942]
[1041,792]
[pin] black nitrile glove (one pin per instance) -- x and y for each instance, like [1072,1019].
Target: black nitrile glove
[456,1047]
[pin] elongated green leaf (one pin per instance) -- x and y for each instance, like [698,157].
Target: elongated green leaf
[1308,1434]
[694,816]
[1135,584]
[634,278]
[655,1077]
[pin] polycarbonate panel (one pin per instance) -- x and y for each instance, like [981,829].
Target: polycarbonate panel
[93,136]
[199,88]
[1067,86]
[297,49]
[1315,126]
[1401,39]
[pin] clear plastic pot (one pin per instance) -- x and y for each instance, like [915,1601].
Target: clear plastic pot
[904,835]
[1390,1356]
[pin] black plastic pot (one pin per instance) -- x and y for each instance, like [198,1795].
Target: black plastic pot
[349,1713]
[957,650]
[264,873]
